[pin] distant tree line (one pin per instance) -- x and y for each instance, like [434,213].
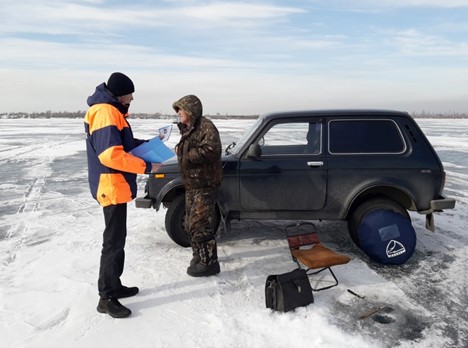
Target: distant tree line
[81,114]
[157,115]
[426,114]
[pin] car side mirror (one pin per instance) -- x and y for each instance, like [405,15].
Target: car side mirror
[254,151]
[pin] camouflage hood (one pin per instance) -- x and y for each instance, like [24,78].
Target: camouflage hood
[191,105]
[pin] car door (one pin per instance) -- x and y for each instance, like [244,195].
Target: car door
[288,171]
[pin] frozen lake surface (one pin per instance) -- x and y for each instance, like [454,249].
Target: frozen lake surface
[50,236]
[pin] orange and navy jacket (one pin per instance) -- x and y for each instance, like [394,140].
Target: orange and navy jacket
[109,139]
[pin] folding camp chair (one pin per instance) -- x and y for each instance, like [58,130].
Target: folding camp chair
[307,250]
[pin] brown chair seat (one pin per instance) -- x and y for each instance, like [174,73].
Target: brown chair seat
[319,256]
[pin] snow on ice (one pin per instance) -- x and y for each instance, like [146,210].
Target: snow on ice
[50,238]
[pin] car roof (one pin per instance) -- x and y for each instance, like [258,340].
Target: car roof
[334,112]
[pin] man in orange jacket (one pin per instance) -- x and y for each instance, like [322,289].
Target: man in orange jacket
[112,174]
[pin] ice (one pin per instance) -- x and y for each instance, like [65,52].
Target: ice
[50,239]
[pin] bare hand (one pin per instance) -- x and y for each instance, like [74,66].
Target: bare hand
[155,167]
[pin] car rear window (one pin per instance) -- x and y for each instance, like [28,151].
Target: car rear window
[365,136]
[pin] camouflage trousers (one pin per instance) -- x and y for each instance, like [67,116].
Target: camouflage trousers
[199,223]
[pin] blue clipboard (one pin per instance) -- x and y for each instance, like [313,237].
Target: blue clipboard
[153,150]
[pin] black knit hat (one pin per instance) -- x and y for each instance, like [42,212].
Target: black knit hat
[120,84]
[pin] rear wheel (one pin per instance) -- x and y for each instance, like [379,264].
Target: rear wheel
[370,205]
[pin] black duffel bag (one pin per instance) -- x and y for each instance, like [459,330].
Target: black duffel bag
[284,292]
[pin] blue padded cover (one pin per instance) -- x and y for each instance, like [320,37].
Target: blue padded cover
[387,237]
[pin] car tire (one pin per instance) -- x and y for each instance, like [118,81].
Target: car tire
[175,221]
[370,205]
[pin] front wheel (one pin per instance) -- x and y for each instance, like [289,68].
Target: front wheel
[175,222]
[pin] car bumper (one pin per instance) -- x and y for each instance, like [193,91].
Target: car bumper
[442,203]
[143,203]
[438,205]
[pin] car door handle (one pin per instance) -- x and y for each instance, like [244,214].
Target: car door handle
[315,164]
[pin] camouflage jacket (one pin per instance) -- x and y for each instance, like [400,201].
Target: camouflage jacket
[199,149]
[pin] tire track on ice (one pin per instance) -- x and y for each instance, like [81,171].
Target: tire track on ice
[30,205]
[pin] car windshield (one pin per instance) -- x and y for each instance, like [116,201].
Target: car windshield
[234,147]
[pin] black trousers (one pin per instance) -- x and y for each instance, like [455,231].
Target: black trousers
[112,254]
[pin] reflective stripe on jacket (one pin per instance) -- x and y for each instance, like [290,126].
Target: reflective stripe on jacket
[111,169]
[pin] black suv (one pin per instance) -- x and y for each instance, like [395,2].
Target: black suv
[314,165]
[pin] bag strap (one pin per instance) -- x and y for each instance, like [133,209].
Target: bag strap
[298,286]
[271,292]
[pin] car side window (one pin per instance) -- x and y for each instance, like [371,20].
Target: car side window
[365,136]
[292,138]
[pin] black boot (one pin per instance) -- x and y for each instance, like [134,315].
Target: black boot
[113,307]
[195,254]
[201,270]
[195,259]
[208,264]
[125,291]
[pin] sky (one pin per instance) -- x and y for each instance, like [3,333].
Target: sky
[239,57]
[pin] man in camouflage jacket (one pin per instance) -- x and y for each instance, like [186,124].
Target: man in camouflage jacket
[199,155]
